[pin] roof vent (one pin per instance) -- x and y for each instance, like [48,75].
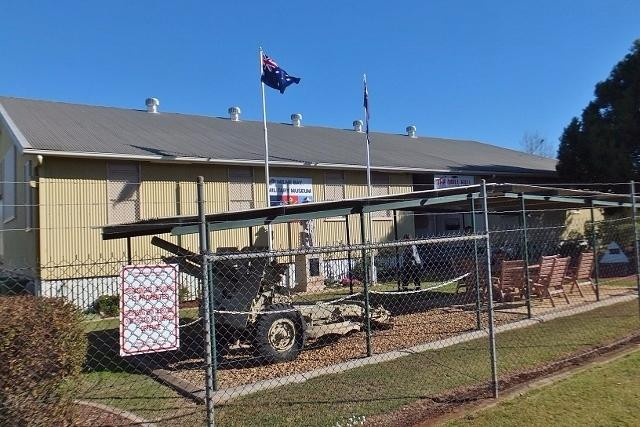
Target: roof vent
[152,105]
[234,113]
[357,125]
[296,119]
[411,131]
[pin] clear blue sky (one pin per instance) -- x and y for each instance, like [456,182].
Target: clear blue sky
[482,70]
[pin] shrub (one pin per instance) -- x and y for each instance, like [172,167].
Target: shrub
[331,283]
[42,349]
[385,262]
[345,281]
[107,305]
[184,294]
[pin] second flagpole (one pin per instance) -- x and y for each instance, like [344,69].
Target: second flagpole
[372,268]
[366,117]
[266,144]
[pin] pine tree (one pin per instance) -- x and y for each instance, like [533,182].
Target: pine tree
[604,144]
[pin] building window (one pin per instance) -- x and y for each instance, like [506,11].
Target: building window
[240,189]
[9,185]
[334,190]
[380,187]
[123,191]
[333,186]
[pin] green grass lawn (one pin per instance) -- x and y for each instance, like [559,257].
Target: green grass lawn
[380,388]
[142,396]
[619,282]
[608,394]
[335,293]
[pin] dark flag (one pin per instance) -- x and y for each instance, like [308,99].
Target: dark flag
[274,76]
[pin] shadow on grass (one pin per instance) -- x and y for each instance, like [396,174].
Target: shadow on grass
[398,303]
[103,352]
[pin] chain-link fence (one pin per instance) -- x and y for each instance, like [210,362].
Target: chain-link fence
[342,333]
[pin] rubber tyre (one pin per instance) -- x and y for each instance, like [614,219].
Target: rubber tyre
[278,337]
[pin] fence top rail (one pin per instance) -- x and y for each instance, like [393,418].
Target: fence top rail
[457,198]
[345,248]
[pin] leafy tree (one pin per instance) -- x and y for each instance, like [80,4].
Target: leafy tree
[604,143]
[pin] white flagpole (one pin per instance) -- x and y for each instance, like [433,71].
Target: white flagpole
[372,268]
[266,145]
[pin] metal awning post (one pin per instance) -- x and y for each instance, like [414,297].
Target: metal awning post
[525,247]
[209,322]
[129,250]
[350,273]
[594,245]
[477,266]
[290,258]
[634,217]
[395,234]
[251,237]
[492,335]
[365,280]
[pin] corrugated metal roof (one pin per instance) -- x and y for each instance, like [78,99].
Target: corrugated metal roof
[64,127]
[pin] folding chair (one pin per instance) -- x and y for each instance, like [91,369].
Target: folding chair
[552,284]
[511,279]
[582,274]
[544,268]
[462,267]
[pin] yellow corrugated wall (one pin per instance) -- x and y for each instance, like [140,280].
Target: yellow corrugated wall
[73,205]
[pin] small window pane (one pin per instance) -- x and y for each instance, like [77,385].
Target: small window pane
[123,191]
[334,186]
[380,187]
[240,189]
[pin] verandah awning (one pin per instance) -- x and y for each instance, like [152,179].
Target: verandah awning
[501,198]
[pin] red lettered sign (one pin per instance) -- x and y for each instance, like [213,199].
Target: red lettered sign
[149,315]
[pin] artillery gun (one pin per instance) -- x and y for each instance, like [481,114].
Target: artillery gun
[253,306]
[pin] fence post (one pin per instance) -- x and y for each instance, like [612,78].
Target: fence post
[129,252]
[525,245]
[209,325]
[365,280]
[395,235]
[492,335]
[634,217]
[594,245]
[475,252]
[350,276]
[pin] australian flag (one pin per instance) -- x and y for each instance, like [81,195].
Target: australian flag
[274,76]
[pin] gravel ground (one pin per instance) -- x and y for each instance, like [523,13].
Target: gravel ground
[408,330]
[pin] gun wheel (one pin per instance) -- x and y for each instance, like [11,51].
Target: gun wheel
[282,334]
[278,337]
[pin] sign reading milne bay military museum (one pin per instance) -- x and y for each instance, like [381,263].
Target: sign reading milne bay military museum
[149,314]
[450,181]
[284,190]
